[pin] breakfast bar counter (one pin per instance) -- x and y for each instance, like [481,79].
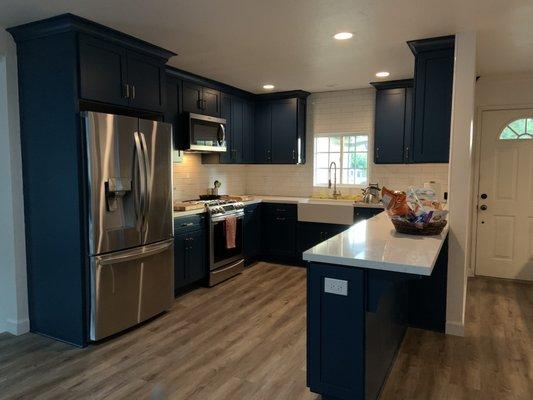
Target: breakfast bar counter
[365,286]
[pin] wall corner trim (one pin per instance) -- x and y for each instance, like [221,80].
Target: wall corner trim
[455,328]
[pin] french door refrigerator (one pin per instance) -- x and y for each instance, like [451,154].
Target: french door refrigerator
[130,221]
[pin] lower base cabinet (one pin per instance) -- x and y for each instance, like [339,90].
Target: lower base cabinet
[310,234]
[252,231]
[279,230]
[190,251]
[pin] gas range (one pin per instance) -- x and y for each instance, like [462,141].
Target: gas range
[224,207]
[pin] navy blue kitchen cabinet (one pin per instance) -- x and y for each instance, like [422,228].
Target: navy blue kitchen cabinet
[67,65]
[434,63]
[252,231]
[114,74]
[171,112]
[279,230]
[280,130]
[248,132]
[393,116]
[263,135]
[200,99]
[190,250]
[234,110]
[311,233]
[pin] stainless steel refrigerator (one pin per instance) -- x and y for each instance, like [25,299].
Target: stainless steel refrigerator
[130,221]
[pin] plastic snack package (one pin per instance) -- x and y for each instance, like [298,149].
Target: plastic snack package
[395,202]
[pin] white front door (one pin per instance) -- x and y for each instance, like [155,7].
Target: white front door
[505,203]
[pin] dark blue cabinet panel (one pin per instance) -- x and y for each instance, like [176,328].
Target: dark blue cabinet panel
[433,100]
[284,131]
[279,230]
[248,133]
[171,112]
[362,213]
[211,102]
[196,268]
[237,129]
[389,136]
[190,250]
[103,71]
[112,74]
[200,100]
[393,116]
[310,234]
[263,133]
[192,98]
[280,131]
[225,112]
[252,231]
[146,78]
[335,333]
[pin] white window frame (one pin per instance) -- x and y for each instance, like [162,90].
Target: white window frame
[339,167]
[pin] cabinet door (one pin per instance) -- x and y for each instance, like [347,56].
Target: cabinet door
[263,133]
[284,131]
[225,112]
[191,98]
[248,133]
[309,234]
[196,265]
[280,235]
[180,259]
[171,112]
[211,102]
[252,231]
[389,126]
[146,78]
[237,126]
[408,125]
[433,106]
[102,71]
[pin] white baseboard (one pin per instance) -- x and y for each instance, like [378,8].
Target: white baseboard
[16,327]
[455,328]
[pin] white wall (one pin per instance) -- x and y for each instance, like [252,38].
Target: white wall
[13,289]
[460,180]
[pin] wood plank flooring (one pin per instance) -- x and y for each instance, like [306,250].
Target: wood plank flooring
[494,361]
[245,339]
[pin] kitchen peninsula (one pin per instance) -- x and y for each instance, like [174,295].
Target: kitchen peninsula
[365,286]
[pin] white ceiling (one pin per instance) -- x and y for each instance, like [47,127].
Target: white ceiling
[289,43]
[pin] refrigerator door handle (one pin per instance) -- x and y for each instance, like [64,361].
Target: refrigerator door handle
[142,174]
[148,175]
[128,255]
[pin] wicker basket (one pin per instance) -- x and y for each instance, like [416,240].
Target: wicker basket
[433,228]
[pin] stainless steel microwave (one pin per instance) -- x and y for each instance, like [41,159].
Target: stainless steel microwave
[205,134]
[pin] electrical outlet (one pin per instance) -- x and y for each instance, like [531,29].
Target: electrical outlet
[336,286]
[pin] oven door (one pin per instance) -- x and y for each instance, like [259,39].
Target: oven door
[207,134]
[219,254]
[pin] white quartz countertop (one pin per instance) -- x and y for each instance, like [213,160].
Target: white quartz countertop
[286,200]
[374,244]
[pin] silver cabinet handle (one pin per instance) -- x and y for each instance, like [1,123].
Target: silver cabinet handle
[126,91]
[133,92]
[188,224]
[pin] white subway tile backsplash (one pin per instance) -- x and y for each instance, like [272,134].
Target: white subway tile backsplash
[329,112]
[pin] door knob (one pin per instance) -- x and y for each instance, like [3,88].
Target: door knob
[483,207]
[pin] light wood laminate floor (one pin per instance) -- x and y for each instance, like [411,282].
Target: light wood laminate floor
[245,339]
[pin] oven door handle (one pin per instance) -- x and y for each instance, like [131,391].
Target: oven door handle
[223,217]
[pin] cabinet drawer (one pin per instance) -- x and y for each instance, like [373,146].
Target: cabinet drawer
[288,211]
[189,223]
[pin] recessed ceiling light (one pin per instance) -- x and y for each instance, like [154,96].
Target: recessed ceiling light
[268,86]
[382,74]
[343,35]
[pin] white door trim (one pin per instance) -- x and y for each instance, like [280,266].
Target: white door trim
[475,184]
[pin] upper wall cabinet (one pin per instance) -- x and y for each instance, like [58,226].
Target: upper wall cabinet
[393,121]
[434,62]
[200,100]
[280,130]
[113,74]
